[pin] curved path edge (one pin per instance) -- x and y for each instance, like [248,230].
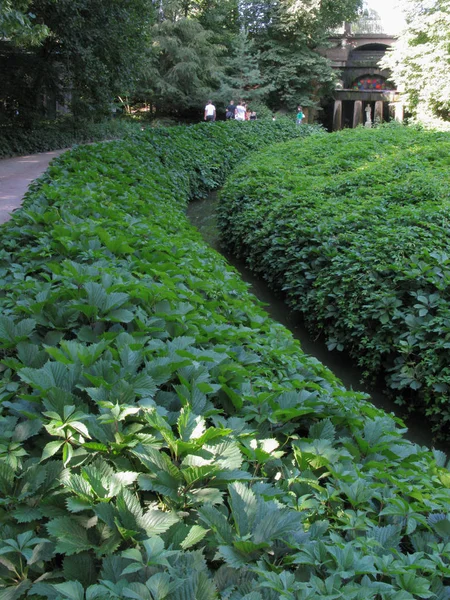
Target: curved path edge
[16,174]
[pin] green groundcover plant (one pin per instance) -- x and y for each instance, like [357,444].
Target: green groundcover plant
[161,437]
[355,228]
[63,133]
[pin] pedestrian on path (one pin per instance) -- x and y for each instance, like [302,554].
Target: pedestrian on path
[240,111]
[231,109]
[210,111]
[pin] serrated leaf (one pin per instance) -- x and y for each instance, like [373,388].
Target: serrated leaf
[137,591]
[244,506]
[70,536]
[51,449]
[81,567]
[43,551]
[195,535]
[323,429]
[72,590]
[192,475]
[75,505]
[121,315]
[205,495]
[217,522]
[26,429]
[232,557]
[156,521]
[15,592]
[26,514]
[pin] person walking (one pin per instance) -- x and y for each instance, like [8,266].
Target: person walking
[300,115]
[210,111]
[231,109]
[240,111]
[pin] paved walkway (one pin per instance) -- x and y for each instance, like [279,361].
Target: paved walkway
[16,174]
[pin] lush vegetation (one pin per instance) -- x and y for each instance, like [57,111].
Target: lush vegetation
[419,60]
[354,227]
[166,57]
[160,436]
[16,141]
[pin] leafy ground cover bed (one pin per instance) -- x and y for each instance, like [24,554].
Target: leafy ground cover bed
[160,436]
[17,141]
[354,227]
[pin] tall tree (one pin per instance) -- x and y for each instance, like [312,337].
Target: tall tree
[183,67]
[288,34]
[93,50]
[420,59]
[242,76]
[97,45]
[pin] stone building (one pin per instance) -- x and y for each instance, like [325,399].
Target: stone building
[364,93]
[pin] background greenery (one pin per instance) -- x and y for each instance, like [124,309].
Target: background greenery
[167,57]
[160,436]
[419,60]
[64,133]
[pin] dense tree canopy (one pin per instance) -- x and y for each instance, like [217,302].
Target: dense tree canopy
[420,60]
[18,25]
[171,54]
[91,50]
[182,66]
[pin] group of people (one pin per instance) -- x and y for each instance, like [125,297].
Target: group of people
[240,112]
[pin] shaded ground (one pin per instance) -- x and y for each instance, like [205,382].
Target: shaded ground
[16,174]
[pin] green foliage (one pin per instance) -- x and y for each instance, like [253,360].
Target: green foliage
[242,77]
[16,141]
[164,438]
[287,36]
[353,229]
[18,24]
[92,52]
[419,60]
[183,67]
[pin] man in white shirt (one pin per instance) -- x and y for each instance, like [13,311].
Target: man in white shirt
[210,111]
[240,111]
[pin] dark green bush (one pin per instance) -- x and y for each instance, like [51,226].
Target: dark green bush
[161,437]
[17,141]
[355,228]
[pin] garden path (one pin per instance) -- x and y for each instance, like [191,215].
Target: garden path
[16,174]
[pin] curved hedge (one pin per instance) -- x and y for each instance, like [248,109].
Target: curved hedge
[354,227]
[161,437]
[17,141]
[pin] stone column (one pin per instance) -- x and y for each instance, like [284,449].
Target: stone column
[357,114]
[337,115]
[378,116]
[399,112]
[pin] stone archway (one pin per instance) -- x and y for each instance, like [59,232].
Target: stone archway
[362,82]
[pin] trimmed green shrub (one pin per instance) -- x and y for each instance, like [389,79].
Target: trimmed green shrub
[161,437]
[17,141]
[354,227]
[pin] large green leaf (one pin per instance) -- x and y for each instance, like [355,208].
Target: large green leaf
[70,536]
